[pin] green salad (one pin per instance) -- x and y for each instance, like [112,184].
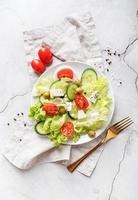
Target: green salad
[67,108]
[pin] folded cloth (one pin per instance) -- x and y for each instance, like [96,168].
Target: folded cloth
[74,39]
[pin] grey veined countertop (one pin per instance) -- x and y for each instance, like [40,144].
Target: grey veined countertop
[116,175]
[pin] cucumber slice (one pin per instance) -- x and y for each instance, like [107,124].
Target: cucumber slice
[89,75]
[39,128]
[71,91]
[68,80]
[42,100]
[58,85]
[74,112]
[58,101]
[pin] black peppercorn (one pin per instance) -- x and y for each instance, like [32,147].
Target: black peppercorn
[107,70]
[24,124]
[8,124]
[15,119]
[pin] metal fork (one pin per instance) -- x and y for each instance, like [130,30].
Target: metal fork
[111,133]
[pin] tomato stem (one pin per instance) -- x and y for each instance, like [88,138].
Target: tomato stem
[61,59]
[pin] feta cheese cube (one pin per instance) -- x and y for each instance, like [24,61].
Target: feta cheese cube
[94,115]
[81,114]
[94,97]
[57,93]
[68,106]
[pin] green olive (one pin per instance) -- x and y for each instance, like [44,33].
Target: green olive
[77,82]
[79,90]
[46,95]
[91,133]
[62,110]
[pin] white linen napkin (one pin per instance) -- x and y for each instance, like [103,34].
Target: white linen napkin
[73,39]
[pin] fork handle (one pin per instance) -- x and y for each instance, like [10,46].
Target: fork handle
[71,167]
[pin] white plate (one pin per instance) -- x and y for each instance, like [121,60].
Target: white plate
[78,68]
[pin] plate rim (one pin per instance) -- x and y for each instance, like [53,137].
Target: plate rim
[111,90]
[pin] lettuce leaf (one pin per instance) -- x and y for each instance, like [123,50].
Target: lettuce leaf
[54,129]
[43,85]
[60,140]
[41,116]
[100,86]
[37,113]
[97,115]
[57,122]
[47,124]
[34,109]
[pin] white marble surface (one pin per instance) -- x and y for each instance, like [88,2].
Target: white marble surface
[116,175]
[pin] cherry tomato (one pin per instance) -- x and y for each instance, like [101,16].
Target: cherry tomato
[67,129]
[66,72]
[81,102]
[50,109]
[45,55]
[38,66]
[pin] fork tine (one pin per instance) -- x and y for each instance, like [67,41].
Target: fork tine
[124,127]
[121,121]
